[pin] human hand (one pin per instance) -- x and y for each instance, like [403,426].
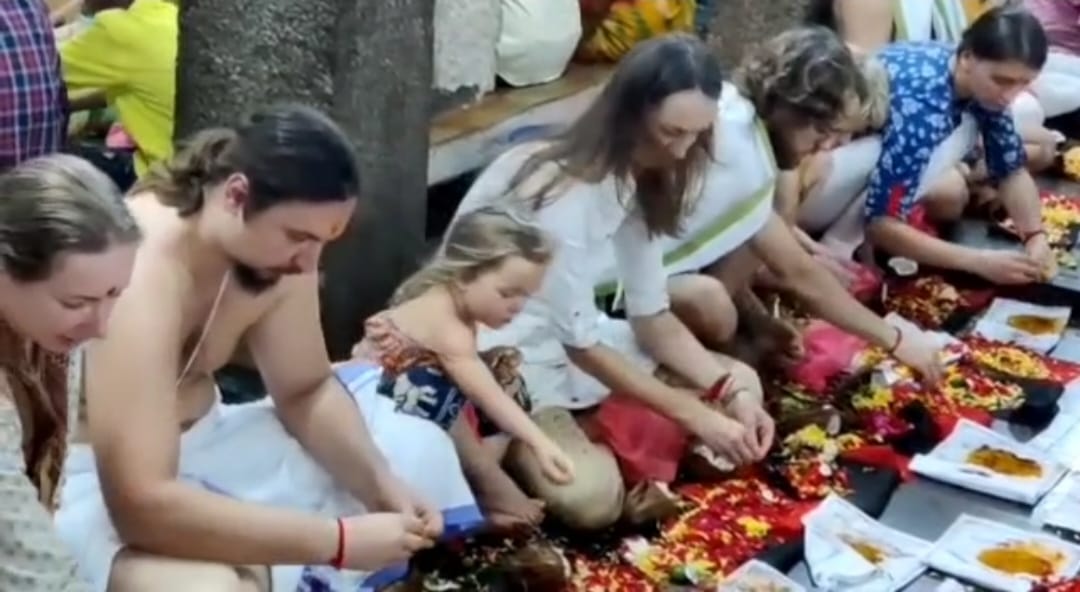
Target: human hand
[376,541]
[554,463]
[724,436]
[1038,248]
[396,496]
[845,274]
[1008,267]
[747,410]
[783,339]
[921,353]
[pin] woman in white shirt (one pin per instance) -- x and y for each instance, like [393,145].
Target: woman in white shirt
[624,175]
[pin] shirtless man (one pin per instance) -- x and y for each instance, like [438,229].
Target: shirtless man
[234,227]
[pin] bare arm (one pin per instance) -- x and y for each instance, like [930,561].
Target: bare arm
[614,371]
[777,247]
[787,206]
[288,348]
[34,557]
[914,244]
[787,196]
[457,353]
[664,337]
[87,100]
[133,427]
[867,24]
[66,12]
[1020,196]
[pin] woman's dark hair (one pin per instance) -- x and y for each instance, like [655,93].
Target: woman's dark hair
[604,139]
[1006,34]
[288,154]
[55,205]
[821,13]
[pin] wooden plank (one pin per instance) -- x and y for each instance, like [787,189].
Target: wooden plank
[468,138]
[505,103]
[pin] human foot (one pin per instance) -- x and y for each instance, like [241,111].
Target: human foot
[504,504]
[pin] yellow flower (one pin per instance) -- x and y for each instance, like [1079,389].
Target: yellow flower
[754,527]
[811,436]
[873,398]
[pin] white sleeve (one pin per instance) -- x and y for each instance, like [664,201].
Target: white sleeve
[568,289]
[640,260]
[491,186]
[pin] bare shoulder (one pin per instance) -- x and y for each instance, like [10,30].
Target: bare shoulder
[453,338]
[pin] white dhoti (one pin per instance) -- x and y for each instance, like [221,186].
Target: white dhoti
[244,452]
[949,153]
[1057,87]
[845,181]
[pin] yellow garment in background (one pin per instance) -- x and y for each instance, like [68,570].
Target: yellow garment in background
[973,9]
[131,55]
[631,21]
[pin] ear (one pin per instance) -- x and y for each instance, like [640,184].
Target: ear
[237,192]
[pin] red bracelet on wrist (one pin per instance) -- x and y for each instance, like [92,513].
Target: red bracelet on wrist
[1027,237]
[338,562]
[899,340]
[716,393]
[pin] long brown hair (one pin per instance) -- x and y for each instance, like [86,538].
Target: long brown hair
[50,206]
[604,139]
[54,205]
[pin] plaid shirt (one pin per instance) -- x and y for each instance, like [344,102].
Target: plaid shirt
[33,99]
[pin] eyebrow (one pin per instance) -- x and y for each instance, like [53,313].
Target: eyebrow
[114,291]
[307,235]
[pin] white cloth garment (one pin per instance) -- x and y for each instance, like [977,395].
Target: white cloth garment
[735,200]
[244,452]
[537,39]
[845,181]
[583,219]
[1058,85]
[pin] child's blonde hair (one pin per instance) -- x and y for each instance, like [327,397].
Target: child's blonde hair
[477,242]
[874,111]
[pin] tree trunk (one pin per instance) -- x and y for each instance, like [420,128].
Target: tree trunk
[369,64]
[236,56]
[738,25]
[381,96]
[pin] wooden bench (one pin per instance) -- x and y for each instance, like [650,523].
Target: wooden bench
[468,138]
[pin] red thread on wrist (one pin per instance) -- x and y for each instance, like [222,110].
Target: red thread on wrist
[899,340]
[1031,235]
[338,562]
[715,393]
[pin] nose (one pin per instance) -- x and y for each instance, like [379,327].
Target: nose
[681,146]
[307,259]
[98,323]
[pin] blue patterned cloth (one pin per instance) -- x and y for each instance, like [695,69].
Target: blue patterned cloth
[424,391]
[923,112]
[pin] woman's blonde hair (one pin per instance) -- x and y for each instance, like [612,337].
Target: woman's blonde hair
[54,205]
[476,243]
[874,110]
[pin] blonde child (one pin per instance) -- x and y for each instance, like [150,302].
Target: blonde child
[426,345]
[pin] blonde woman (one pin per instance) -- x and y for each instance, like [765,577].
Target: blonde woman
[426,343]
[67,246]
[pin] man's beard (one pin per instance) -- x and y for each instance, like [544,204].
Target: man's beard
[253,280]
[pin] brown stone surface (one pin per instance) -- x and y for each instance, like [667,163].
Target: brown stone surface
[740,24]
[369,64]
